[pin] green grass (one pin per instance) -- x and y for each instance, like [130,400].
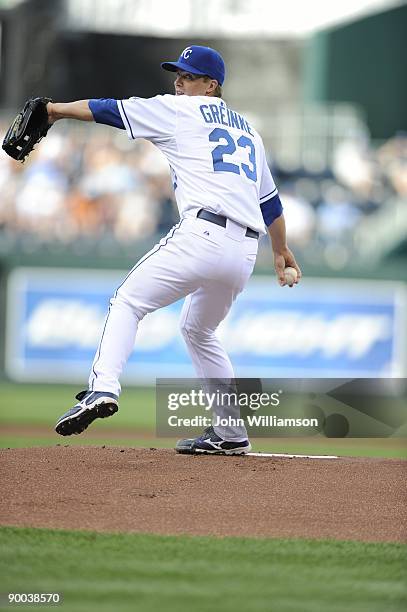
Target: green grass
[40,405]
[351,448]
[25,442]
[43,404]
[148,572]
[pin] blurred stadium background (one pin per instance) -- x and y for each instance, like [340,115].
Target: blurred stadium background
[325,85]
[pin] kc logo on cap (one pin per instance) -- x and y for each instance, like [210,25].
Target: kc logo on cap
[199,60]
[186,52]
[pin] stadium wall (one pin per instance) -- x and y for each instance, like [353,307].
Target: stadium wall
[363,63]
[327,327]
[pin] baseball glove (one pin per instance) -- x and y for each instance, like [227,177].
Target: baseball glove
[27,129]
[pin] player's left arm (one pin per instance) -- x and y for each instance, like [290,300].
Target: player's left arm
[150,118]
[104,110]
[69,110]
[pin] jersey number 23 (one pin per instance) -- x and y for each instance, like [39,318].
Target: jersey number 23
[228,149]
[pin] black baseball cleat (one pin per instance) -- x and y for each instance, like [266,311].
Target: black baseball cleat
[92,405]
[211,444]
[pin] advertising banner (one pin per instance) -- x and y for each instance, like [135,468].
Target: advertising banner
[319,329]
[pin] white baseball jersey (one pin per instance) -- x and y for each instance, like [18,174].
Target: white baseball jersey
[217,158]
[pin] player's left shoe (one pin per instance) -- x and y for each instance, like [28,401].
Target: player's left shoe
[210,443]
[92,405]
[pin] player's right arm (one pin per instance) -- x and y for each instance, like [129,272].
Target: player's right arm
[272,211]
[283,256]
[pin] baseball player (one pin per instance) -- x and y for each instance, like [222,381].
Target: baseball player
[226,198]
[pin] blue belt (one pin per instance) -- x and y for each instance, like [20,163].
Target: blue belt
[220,220]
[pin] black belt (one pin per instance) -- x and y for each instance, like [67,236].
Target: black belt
[220,220]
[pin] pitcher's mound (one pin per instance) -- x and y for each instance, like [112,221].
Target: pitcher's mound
[159,491]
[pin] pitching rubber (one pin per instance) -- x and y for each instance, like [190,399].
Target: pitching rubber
[292,456]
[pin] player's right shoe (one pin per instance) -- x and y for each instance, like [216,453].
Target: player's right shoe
[92,405]
[211,444]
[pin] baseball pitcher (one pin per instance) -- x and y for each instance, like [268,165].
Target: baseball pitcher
[226,198]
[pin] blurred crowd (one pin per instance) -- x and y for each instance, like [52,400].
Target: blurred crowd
[324,210]
[81,185]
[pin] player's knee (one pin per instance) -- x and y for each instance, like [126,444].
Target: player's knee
[121,301]
[187,329]
[195,334]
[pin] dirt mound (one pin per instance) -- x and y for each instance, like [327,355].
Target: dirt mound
[158,491]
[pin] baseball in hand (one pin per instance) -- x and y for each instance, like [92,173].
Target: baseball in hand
[290,276]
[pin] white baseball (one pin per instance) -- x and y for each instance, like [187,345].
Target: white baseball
[290,276]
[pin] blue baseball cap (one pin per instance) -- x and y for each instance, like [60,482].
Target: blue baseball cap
[199,60]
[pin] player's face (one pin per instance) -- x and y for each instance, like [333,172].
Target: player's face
[188,84]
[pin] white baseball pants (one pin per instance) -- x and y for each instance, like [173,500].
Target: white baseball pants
[206,263]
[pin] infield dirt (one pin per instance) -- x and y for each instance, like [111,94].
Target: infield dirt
[158,491]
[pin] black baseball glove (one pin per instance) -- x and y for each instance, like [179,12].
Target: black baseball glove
[30,125]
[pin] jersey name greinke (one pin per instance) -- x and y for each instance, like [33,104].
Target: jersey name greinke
[212,113]
[217,158]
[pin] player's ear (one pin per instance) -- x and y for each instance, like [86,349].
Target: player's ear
[212,85]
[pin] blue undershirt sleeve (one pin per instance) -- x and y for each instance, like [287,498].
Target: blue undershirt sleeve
[105,110]
[271,209]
